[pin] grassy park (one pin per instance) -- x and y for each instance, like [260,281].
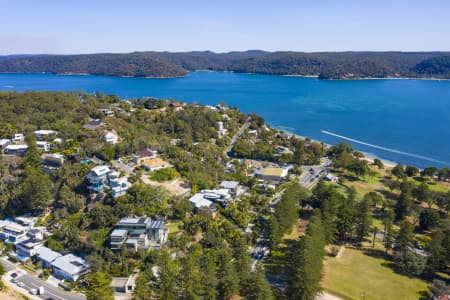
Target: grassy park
[354,273]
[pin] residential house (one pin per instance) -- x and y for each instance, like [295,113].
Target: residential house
[111,137]
[26,220]
[144,154]
[52,162]
[19,150]
[176,106]
[35,233]
[46,256]
[28,248]
[232,186]
[125,285]
[94,124]
[159,232]
[119,186]
[138,233]
[107,112]
[13,233]
[154,164]
[18,138]
[69,267]
[331,177]
[43,135]
[98,178]
[199,202]
[282,150]
[44,146]
[3,144]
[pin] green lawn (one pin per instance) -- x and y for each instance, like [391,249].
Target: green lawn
[354,273]
[174,227]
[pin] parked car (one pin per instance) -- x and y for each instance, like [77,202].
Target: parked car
[13,280]
[21,284]
[33,291]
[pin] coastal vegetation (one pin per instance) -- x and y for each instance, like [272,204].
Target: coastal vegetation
[390,221]
[324,65]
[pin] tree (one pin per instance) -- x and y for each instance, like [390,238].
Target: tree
[439,249]
[307,263]
[32,156]
[36,189]
[189,279]
[428,218]
[404,203]
[404,237]
[398,171]
[167,272]
[363,218]
[256,286]
[411,171]
[2,270]
[228,280]
[143,290]
[377,162]
[430,171]
[410,263]
[99,288]
[209,275]
[359,167]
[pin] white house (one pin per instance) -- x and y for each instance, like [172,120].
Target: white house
[119,186]
[16,149]
[331,177]
[154,164]
[111,137]
[28,248]
[13,233]
[98,177]
[3,144]
[232,186]
[44,134]
[46,256]
[69,267]
[18,137]
[44,146]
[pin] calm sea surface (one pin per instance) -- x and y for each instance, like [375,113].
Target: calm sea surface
[406,121]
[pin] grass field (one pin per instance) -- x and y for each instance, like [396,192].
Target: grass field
[174,227]
[354,273]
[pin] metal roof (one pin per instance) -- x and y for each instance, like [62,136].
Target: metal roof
[47,254]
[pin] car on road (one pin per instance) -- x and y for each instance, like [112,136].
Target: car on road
[20,283]
[33,291]
[14,275]
[13,280]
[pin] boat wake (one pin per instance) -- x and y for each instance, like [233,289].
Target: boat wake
[385,148]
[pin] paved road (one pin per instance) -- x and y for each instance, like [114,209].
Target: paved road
[51,292]
[312,174]
[238,134]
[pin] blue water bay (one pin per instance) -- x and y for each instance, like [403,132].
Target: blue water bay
[406,121]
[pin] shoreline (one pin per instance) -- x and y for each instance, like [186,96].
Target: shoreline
[245,73]
[369,157]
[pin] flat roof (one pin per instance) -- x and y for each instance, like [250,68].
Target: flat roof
[280,172]
[119,232]
[16,147]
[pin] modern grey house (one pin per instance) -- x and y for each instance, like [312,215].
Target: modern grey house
[138,233]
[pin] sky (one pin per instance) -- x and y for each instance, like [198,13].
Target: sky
[92,26]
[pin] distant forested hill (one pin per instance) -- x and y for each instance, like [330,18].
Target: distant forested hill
[325,65]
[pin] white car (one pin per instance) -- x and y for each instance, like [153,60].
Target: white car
[21,284]
[33,291]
